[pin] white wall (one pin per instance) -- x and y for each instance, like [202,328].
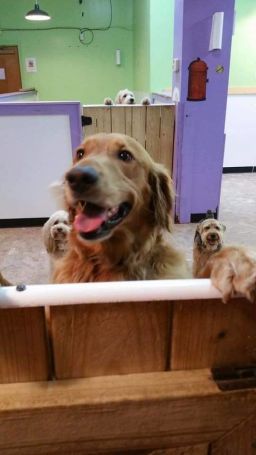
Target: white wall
[240,148]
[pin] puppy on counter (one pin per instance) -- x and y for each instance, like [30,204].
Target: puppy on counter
[55,235]
[126,97]
[207,241]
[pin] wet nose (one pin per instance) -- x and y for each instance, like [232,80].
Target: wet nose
[79,178]
[132,100]
[59,229]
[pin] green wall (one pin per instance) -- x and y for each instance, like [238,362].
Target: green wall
[68,70]
[161,43]
[142,29]
[141,41]
[153,43]
[243,54]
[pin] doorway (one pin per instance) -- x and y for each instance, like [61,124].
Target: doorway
[10,78]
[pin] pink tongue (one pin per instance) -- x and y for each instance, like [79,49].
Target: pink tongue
[85,223]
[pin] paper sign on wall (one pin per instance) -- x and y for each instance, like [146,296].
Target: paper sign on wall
[2,74]
[31,65]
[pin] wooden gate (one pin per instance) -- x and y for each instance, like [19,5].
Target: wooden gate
[170,377]
[152,126]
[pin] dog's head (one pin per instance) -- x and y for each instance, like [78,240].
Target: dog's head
[125,97]
[56,230]
[209,235]
[115,185]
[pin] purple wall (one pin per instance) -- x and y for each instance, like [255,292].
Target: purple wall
[200,139]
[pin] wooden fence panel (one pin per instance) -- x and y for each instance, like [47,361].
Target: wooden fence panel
[152,126]
[212,334]
[167,136]
[101,119]
[240,441]
[23,345]
[120,413]
[139,124]
[118,120]
[153,132]
[98,340]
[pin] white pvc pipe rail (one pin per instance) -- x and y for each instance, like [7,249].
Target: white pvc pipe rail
[110,292]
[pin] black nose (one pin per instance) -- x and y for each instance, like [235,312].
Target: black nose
[81,177]
[213,236]
[59,229]
[132,100]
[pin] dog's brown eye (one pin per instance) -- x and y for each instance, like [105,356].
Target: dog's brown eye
[56,222]
[124,155]
[80,154]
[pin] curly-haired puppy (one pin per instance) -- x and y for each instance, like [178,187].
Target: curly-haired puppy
[207,241]
[126,97]
[120,203]
[55,234]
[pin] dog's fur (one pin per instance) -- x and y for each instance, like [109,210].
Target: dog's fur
[113,169]
[55,234]
[125,96]
[3,281]
[207,241]
[232,271]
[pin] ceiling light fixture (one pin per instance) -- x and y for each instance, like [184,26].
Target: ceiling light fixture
[37,14]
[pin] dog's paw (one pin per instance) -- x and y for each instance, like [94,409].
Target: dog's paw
[108,102]
[234,272]
[146,101]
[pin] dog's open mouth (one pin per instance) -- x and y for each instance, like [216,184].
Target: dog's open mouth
[93,222]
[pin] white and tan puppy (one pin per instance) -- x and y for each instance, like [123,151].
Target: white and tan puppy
[207,241]
[125,96]
[55,234]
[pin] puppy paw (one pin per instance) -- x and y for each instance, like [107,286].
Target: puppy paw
[108,102]
[145,101]
[233,272]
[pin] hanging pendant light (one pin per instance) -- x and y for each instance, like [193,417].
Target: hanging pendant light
[37,14]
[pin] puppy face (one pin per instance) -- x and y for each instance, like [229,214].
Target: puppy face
[114,184]
[56,229]
[209,234]
[125,97]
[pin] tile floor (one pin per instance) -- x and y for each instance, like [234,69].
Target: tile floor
[24,259]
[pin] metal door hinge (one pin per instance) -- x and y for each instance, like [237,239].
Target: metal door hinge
[234,378]
[86,120]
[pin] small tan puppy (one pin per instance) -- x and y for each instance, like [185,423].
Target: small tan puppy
[125,97]
[208,240]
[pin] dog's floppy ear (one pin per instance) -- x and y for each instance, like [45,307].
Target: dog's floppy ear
[162,196]
[47,238]
[197,239]
[118,99]
[223,227]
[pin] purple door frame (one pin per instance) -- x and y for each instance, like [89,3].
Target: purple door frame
[200,138]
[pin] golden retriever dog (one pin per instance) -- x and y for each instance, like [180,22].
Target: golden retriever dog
[207,241]
[119,201]
[55,234]
[126,97]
